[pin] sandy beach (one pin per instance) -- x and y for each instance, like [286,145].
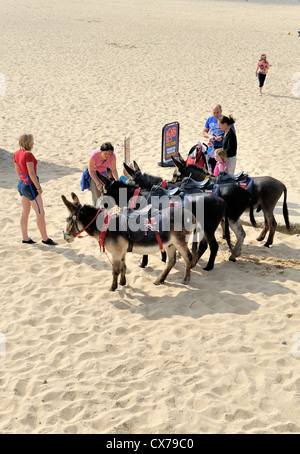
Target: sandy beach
[220,355]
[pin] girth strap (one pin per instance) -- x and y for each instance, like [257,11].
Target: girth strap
[106,222]
[152,225]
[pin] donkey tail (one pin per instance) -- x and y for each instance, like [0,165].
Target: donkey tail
[251,214]
[226,229]
[285,210]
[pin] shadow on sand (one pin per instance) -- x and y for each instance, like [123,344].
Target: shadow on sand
[46,170]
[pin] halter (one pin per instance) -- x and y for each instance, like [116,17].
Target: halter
[74,219]
[105,226]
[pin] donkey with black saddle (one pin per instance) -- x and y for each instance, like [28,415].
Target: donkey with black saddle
[265,192]
[214,209]
[237,199]
[174,227]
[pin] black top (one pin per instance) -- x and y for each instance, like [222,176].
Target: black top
[230,144]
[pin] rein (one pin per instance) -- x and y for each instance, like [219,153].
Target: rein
[105,226]
[87,226]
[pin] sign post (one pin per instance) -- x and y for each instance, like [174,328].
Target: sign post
[170,144]
[127,150]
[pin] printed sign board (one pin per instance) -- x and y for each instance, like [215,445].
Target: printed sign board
[170,144]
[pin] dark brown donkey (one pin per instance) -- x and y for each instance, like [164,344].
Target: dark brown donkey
[117,233]
[265,193]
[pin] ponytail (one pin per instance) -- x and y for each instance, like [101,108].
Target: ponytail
[228,120]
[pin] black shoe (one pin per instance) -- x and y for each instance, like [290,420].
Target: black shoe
[29,241]
[49,242]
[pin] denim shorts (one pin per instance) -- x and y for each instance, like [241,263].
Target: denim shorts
[24,189]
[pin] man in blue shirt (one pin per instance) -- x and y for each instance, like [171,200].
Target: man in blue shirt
[212,132]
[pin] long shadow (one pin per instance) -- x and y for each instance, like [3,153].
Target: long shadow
[282,96]
[46,170]
[191,300]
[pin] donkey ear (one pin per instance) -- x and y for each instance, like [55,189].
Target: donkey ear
[75,198]
[136,167]
[180,158]
[110,174]
[177,163]
[71,207]
[102,178]
[129,170]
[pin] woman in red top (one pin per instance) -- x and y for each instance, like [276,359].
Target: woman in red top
[30,190]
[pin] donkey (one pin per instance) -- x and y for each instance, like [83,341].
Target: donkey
[214,211]
[237,199]
[145,180]
[266,191]
[175,226]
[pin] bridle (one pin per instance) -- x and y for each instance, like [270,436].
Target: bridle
[72,220]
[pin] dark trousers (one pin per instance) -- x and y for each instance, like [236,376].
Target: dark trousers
[261,79]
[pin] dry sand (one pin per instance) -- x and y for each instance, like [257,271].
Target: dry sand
[220,355]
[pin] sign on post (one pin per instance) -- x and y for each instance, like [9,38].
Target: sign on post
[127,150]
[170,144]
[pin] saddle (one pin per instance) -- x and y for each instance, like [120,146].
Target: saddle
[225,178]
[190,186]
[159,191]
[134,224]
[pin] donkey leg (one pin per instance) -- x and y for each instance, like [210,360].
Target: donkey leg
[240,234]
[222,224]
[202,248]
[144,261]
[187,257]
[115,273]
[213,245]
[171,254]
[272,224]
[123,271]
[117,268]
[264,231]
[194,253]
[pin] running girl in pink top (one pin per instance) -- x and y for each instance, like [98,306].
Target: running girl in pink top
[261,71]
[101,160]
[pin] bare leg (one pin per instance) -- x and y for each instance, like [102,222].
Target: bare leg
[40,217]
[25,210]
[95,192]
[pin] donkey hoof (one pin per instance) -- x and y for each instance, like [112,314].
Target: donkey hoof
[208,268]
[267,245]
[186,281]
[232,259]
[112,289]
[123,282]
[158,282]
